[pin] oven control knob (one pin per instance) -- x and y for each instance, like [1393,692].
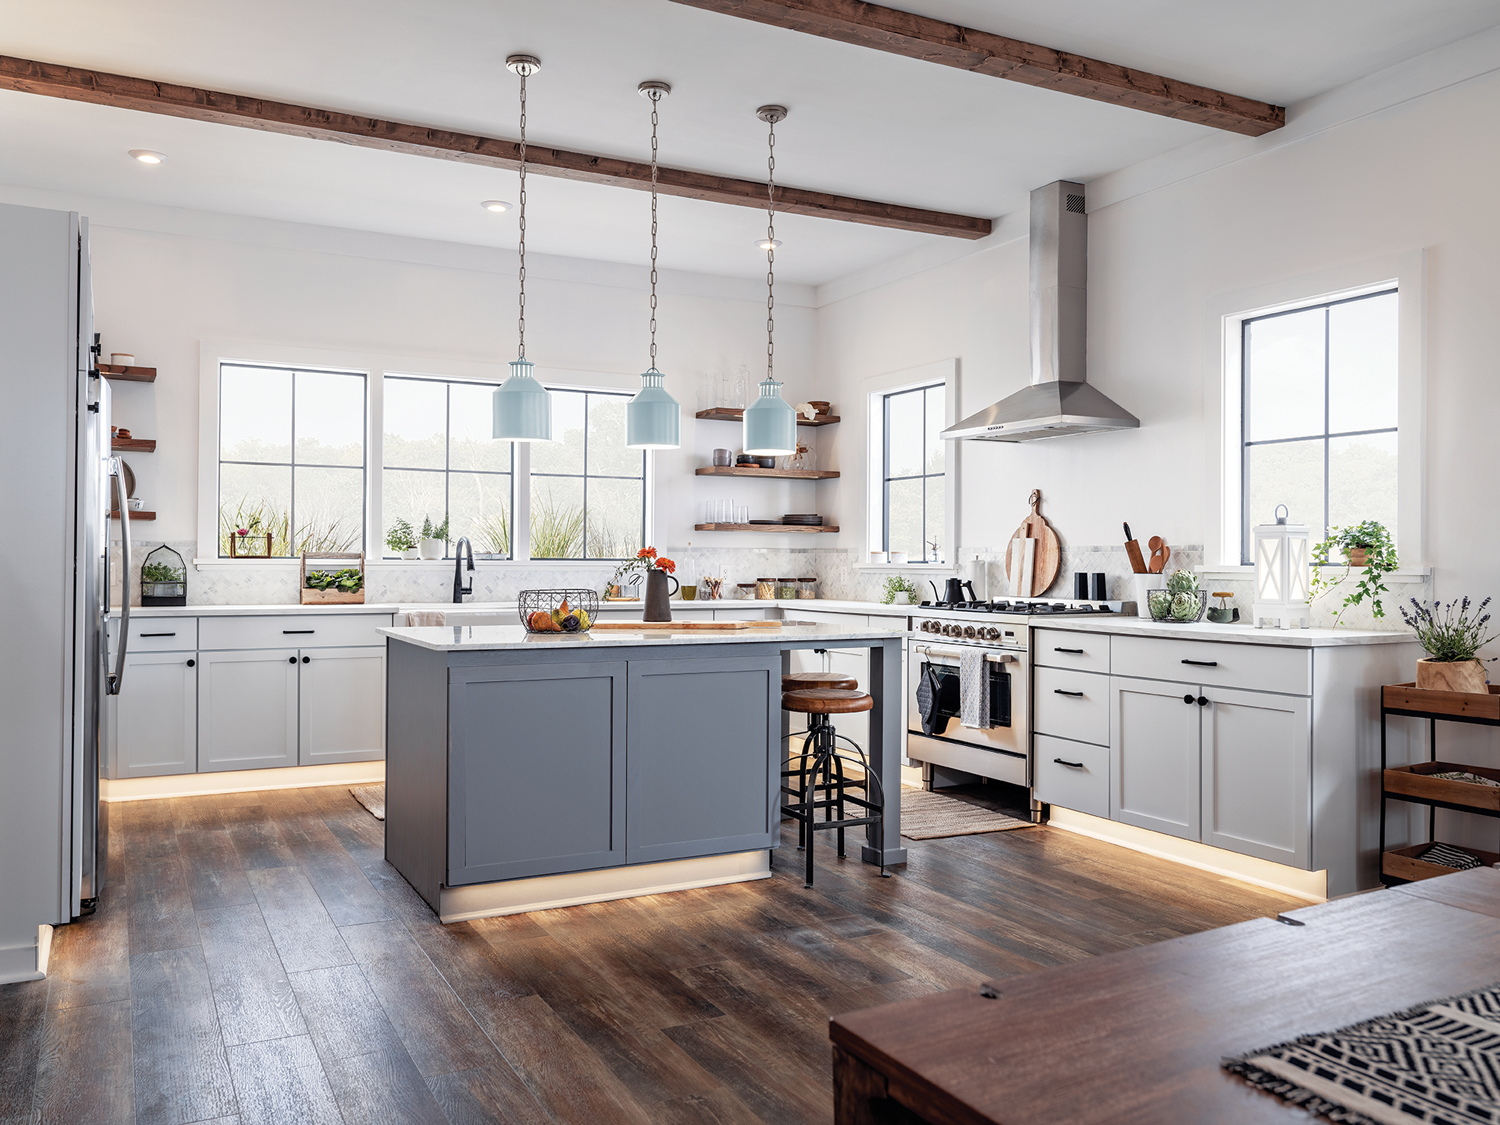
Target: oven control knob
[954,630]
[970,632]
[930,626]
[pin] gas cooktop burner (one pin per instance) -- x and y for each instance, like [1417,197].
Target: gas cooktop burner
[1022,607]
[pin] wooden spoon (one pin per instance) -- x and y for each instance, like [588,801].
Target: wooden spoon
[1160,553]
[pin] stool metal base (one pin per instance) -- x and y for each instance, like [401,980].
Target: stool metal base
[821,784]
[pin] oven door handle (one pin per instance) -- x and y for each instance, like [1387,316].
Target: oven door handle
[1002,658]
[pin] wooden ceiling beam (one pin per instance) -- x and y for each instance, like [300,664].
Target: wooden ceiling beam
[56,81]
[951,44]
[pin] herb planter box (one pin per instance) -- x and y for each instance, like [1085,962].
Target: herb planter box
[1402,863]
[1415,781]
[333,596]
[1459,704]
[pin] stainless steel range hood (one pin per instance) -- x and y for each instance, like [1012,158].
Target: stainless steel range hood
[1059,401]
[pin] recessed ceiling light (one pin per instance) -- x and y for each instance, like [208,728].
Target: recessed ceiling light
[769,243]
[146,156]
[496,205]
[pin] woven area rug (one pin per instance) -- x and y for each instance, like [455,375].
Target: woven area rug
[1438,1063]
[372,797]
[928,816]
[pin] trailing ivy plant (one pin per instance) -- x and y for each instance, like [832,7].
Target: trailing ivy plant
[1380,560]
[344,581]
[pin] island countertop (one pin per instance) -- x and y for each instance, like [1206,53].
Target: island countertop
[477,638]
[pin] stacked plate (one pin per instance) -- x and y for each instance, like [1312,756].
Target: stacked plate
[803,519]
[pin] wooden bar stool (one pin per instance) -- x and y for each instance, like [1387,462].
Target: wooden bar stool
[818,780]
[800,681]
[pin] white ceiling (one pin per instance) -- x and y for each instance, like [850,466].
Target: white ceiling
[863,122]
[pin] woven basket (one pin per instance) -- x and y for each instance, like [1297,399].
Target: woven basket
[529,602]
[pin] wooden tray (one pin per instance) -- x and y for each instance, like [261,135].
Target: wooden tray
[683,626]
[1467,704]
[1412,781]
[1402,863]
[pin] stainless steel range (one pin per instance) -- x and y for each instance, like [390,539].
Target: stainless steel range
[954,753]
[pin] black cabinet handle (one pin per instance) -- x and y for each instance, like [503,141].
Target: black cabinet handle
[1202,701]
[295,632]
[1074,651]
[1070,765]
[307,660]
[192,663]
[1188,698]
[1202,663]
[1075,694]
[291,660]
[158,634]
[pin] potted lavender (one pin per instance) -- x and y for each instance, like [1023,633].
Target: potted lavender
[1451,636]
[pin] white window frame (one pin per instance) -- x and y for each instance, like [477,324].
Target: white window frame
[876,388]
[1223,396]
[374,366]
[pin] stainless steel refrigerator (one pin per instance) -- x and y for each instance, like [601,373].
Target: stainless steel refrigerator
[58,487]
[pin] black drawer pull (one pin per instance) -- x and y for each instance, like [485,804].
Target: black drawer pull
[307,660]
[191,663]
[1074,694]
[290,632]
[1202,663]
[1202,701]
[1074,651]
[291,660]
[1188,698]
[143,635]
[1070,765]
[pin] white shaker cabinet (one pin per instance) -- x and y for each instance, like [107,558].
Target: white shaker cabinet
[153,723]
[247,709]
[1257,774]
[1155,752]
[342,705]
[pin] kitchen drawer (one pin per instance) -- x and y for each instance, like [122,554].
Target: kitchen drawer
[1060,648]
[1074,775]
[1071,704]
[157,634]
[292,631]
[1254,667]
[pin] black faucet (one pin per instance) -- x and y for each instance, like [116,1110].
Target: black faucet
[459,589]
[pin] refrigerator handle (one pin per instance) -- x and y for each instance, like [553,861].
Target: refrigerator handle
[117,492]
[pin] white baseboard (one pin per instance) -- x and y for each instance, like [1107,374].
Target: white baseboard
[547,892]
[1310,886]
[240,781]
[26,962]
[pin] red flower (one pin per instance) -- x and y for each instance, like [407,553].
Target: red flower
[646,553]
[666,564]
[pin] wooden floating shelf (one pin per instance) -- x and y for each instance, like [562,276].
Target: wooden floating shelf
[774,474]
[136,515]
[133,445]
[737,414]
[761,527]
[128,374]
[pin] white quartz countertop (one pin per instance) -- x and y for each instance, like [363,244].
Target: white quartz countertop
[1208,631]
[473,638]
[693,607]
[250,610]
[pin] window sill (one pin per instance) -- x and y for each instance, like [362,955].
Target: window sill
[1401,574]
[416,564]
[907,568]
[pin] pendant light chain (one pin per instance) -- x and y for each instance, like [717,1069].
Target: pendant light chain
[771,250]
[523,71]
[655,96]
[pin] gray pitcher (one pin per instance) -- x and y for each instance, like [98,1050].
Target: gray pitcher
[658,604]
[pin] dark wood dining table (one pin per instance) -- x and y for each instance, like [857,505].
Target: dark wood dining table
[1138,1036]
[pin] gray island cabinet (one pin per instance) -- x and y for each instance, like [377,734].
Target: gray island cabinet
[529,771]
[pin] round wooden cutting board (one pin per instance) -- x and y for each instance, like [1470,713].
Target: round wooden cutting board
[1048,552]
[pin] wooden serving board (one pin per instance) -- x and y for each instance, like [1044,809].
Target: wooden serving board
[1048,552]
[684,626]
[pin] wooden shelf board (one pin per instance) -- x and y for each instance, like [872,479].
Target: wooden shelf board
[128,374]
[133,445]
[773,474]
[135,515]
[1414,783]
[737,414]
[1402,863]
[760,527]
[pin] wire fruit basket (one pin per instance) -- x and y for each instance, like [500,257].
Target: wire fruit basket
[1179,608]
[558,611]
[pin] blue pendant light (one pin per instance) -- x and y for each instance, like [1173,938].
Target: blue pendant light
[522,406]
[770,421]
[653,420]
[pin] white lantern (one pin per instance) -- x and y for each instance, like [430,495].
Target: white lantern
[1283,554]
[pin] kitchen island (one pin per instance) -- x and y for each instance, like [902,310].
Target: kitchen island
[526,771]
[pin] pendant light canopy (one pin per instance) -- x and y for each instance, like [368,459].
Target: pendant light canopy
[653,420]
[522,406]
[770,421]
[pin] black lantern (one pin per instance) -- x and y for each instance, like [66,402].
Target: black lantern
[163,578]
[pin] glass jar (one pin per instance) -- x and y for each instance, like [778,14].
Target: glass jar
[786,588]
[744,590]
[807,587]
[765,589]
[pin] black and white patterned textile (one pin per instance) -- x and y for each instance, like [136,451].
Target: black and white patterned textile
[1438,1064]
[1456,858]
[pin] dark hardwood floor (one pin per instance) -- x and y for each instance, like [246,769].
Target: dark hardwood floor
[255,960]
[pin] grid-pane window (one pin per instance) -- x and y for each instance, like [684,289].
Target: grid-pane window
[291,459]
[588,490]
[1319,415]
[913,471]
[441,464]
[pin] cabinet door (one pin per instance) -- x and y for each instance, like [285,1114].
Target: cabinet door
[155,716]
[704,765]
[1257,774]
[1154,756]
[247,709]
[342,705]
[536,769]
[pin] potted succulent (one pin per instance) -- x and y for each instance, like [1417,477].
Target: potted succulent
[900,591]
[1451,637]
[434,538]
[656,573]
[402,538]
[1364,546]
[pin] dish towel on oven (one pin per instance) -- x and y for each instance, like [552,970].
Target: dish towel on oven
[973,690]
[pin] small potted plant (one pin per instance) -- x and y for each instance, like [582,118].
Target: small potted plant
[900,591]
[402,538]
[1451,637]
[656,573]
[1365,546]
[434,538]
